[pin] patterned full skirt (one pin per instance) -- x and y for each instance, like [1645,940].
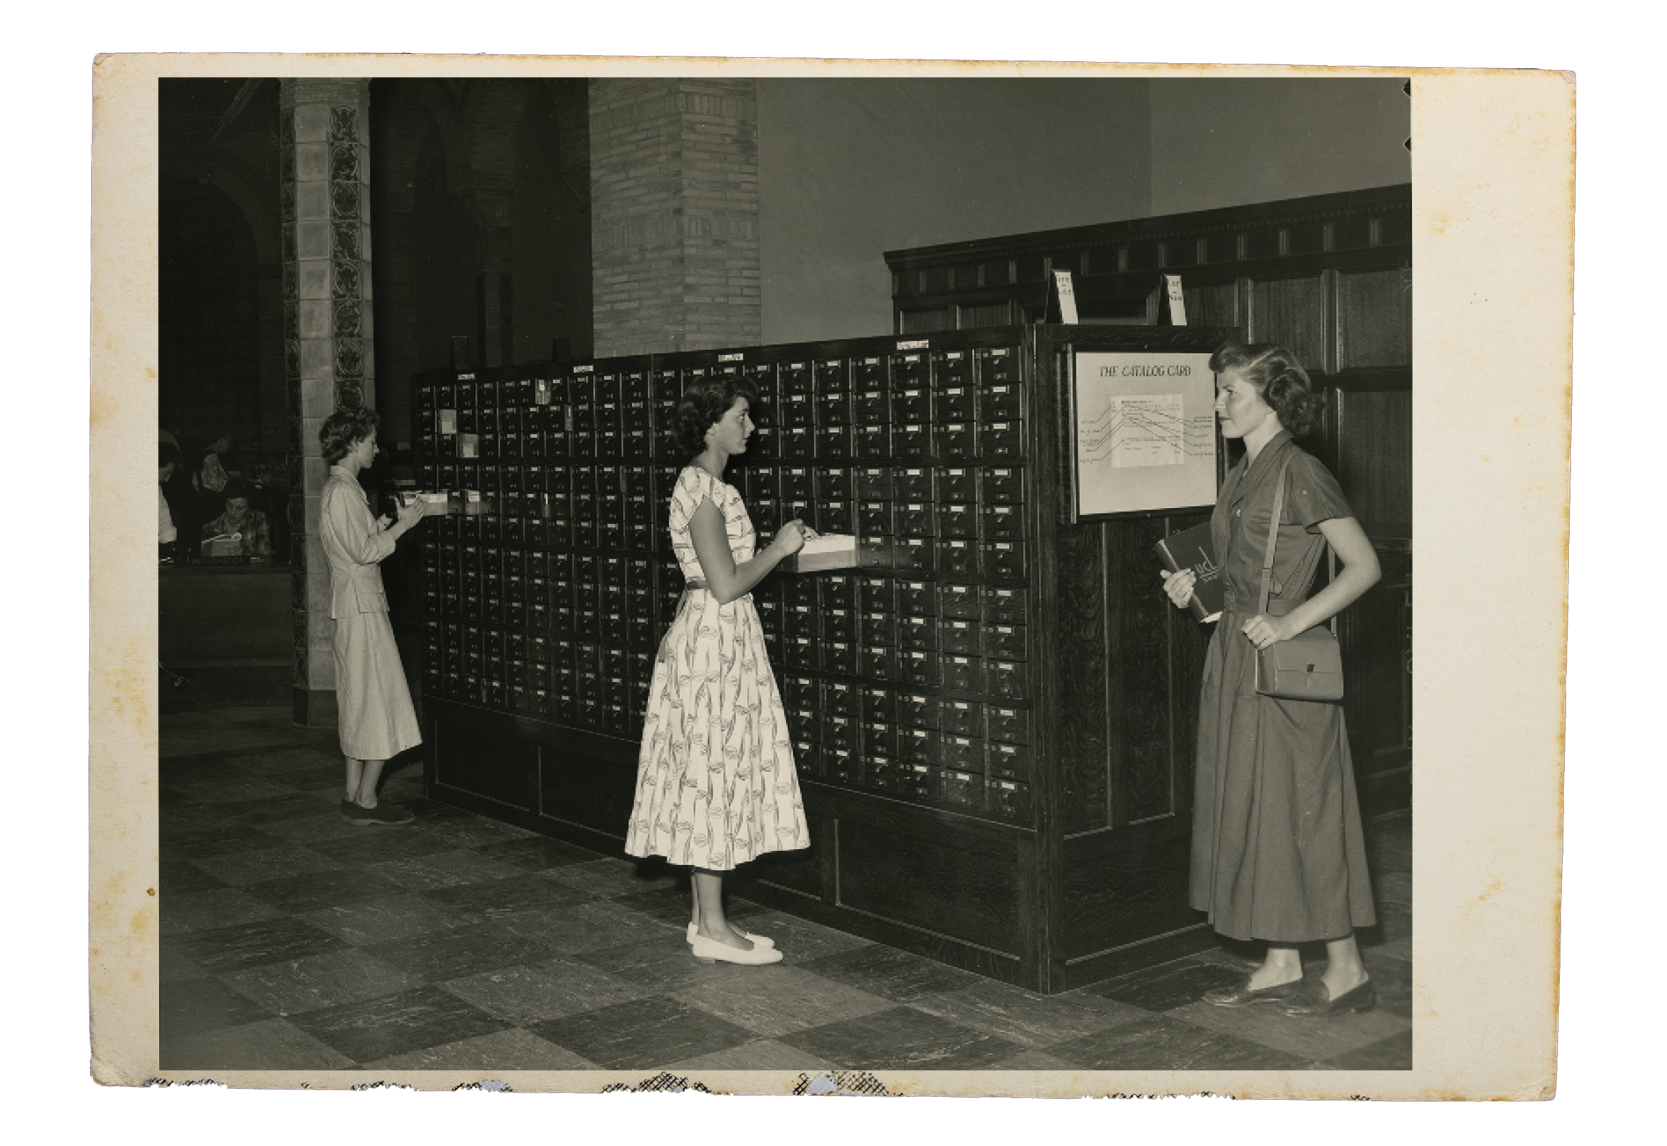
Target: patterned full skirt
[716,784]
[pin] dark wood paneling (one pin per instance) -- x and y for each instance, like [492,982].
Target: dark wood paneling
[481,756]
[799,871]
[1374,318]
[1376,635]
[1212,305]
[1290,312]
[1083,749]
[1374,459]
[927,321]
[588,792]
[1189,642]
[967,894]
[1141,678]
[1123,886]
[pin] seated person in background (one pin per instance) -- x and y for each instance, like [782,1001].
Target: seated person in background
[165,532]
[239,518]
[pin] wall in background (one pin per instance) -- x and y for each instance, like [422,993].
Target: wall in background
[1229,142]
[850,168]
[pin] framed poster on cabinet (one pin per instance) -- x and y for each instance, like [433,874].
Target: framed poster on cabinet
[1143,432]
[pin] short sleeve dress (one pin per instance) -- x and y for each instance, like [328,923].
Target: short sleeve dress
[1278,853]
[716,783]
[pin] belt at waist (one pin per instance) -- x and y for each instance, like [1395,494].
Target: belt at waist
[696,585]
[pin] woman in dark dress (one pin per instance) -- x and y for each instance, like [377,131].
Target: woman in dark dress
[1278,854]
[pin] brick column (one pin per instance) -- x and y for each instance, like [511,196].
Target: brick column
[324,194]
[674,214]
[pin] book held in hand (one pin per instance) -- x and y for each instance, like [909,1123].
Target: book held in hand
[1193,549]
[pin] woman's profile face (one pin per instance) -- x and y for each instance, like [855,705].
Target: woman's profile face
[1239,405]
[730,432]
[364,451]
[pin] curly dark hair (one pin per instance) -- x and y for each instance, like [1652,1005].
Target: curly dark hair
[703,406]
[345,429]
[1279,378]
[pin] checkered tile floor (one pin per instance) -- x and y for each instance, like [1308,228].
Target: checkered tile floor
[291,940]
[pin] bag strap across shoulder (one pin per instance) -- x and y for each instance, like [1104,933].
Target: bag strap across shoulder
[1273,540]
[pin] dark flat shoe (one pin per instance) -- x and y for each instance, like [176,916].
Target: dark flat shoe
[1240,994]
[361,816]
[1316,1002]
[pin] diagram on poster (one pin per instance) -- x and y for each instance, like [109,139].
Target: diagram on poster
[1145,425]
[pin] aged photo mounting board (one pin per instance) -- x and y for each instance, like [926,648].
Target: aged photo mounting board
[1492,156]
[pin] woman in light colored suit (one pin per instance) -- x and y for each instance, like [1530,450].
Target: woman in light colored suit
[372,699]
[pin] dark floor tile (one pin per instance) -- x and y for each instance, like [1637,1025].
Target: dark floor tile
[548,990]
[1308,1038]
[442,869]
[670,904]
[294,761]
[1157,1042]
[173,966]
[761,1054]
[310,891]
[595,926]
[501,1050]
[176,875]
[889,973]
[275,809]
[615,879]
[271,862]
[1392,1053]
[190,1007]
[380,843]
[237,789]
[642,1034]
[902,1038]
[536,853]
[774,1000]
[664,963]
[346,975]
[801,940]
[208,842]
[1021,1016]
[465,950]
[324,823]
[1166,985]
[269,1045]
[1031,1060]
[253,944]
[389,919]
[1392,980]
[503,899]
[188,911]
[472,832]
[179,821]
[396,1024]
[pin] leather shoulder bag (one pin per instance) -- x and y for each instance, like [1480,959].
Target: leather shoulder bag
[1309,666]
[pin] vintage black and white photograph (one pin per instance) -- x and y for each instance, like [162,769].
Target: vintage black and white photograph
[839,576]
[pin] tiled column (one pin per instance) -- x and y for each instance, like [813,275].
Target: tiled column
[324,172]
[674,214]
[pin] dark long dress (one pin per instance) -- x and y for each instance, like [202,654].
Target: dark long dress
[1277,848]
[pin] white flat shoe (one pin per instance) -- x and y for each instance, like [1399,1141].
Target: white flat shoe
[755,940]
[709,952]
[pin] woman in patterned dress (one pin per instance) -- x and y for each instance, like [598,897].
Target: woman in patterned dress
[716,784]
[1278,853]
